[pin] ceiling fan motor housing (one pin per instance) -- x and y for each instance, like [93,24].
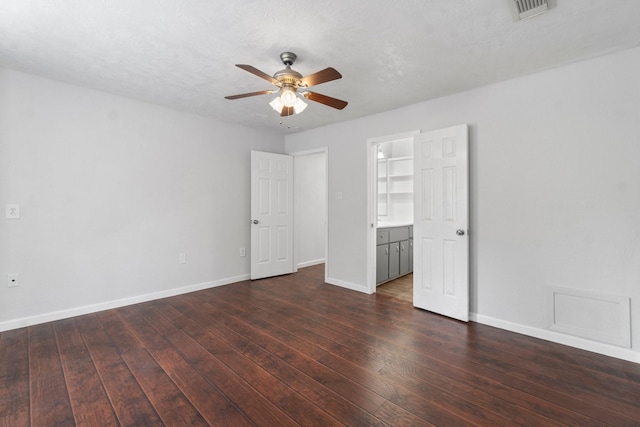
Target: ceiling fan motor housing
[288,77]
[288,58]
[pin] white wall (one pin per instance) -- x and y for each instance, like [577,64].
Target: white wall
[310,195]
[555,189]
[111,191]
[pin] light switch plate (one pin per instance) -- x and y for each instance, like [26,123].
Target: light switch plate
[13,211]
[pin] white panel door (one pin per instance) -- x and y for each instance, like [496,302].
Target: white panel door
[271,214]
[441,222]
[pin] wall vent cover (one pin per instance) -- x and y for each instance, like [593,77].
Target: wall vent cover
[523,9]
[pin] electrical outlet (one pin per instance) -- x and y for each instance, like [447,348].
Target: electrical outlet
[13,211]
[243,252]
[182,258]
[13,281]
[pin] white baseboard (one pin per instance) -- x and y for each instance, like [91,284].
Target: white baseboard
[310,263]
[347,285]
[78,311]
[560,338]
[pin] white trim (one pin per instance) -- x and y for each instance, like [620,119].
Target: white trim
[372,205]
[393,137]
[347,285]
[324,150]
[310,263]
[309,152]
[559,338]
[94,308]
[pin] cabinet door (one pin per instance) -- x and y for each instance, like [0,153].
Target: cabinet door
[404,257]
[382,263]
[394,260]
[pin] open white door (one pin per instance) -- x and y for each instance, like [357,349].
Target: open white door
[441,222]
[271,214]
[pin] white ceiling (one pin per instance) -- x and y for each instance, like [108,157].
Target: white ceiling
[181,53]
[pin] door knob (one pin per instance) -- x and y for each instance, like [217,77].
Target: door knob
[460,232]
[255,221]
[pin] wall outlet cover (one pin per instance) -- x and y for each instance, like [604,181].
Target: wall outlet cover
[13,211]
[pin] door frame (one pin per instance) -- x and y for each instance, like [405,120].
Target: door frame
[296,154]
[372,201]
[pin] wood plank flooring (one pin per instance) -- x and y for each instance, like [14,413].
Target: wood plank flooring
[401,288]
[292,351]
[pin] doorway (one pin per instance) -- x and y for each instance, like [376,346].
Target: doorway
[439,172]
[310,207]
[288,216]
[390,186]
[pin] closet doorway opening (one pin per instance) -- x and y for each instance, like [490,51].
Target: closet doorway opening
[311,208]
[390,238]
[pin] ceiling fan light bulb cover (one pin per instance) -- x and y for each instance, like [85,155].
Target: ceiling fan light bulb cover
[288,97]
[277,105]
[299,106]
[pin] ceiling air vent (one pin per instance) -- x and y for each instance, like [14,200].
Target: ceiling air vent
[523,9]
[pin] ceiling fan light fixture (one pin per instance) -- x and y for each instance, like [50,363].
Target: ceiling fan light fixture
[299,106]
[288,96]
[277,104]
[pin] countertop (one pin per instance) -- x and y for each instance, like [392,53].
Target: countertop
[393,224]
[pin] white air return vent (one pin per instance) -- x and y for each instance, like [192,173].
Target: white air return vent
[523,9]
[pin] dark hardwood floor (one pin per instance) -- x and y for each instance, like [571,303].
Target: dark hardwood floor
[295,351]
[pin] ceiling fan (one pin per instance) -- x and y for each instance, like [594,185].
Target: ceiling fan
[290,84]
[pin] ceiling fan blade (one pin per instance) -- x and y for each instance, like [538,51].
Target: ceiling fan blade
[326,100]
[259,73]
[286,111]
[245,95]
[323,76]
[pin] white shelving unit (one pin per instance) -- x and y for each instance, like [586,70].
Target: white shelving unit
[383,186]
[400,175]
[395,185]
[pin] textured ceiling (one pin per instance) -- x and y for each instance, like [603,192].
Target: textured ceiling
[181,53]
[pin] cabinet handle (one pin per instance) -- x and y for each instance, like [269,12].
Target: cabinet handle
[402,248]
[397,249]
[386,251]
